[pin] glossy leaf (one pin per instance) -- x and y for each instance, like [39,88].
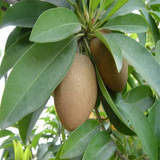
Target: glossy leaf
[13,36]
[61,23]
[37,74]
[27,123]
[143,129]
[112,111]
[129,23]
[157,51]
[141,97]
[140,58]
[79,139]
[14,53]
[155,14]
[25,13]
[113,47]
[152,25]
[129,7]
[154,119]
[4,133]
[101,147]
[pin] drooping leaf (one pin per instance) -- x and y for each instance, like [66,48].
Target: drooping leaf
[25,13]
[101,147]
[34,78]
[115,116]
[114,48]
[129,23]
[141,97]
[154,119]
[140,58]
[78,141]
[26,124]
[143,129]
[157,51]
[14,53]
[61,23]
[129,7]
[152,25]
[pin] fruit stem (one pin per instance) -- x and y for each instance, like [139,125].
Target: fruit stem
[99,119]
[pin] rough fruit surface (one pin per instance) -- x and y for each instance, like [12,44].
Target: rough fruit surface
[76,95]
[107,67]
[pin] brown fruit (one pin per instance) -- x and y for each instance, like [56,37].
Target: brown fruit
[107,67]
[76,95]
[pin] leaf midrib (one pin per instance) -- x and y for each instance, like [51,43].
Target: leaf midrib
[48,30]
[35,79]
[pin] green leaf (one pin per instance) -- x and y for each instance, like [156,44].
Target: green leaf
[13,36]
[59,152]
[141,97]
[129,23]
[112,111]
[14,53]
[154,119]
[1,2]
[25,13]
[26,124]
[36,139]
[152,25]
[61,23]
[4,133]
[34,77]
[142,38]
[107,3]
[116,7]
[157,51]
[101,147]
[155,14]
[143,129]
[78,141]
[129,7]
[59,3]
[155,3]
[94,4]
[114,49]
[140,58]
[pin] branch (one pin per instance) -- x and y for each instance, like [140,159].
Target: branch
[121,155]
[10,1]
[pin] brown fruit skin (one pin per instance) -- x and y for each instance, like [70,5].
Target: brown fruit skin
[76,95]
[106,65]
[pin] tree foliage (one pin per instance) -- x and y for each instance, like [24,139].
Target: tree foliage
[39,53]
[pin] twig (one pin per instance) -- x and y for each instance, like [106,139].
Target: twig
[121,155]
[118,152]
[99,119]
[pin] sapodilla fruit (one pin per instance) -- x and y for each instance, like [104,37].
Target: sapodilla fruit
[76,95]
[106,65]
